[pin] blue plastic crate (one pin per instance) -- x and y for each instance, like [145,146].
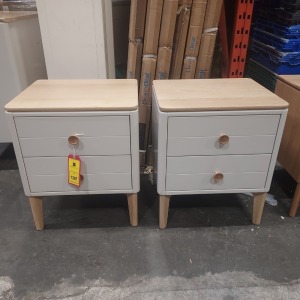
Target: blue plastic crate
[261,74]
[291,6]
[282,16]
[268,3]
[281,44]
[288,17]
[286,32]
[282,63]
[294,2]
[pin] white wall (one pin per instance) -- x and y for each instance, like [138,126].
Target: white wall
[77,38]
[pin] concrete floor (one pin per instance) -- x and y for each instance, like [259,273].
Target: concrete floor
[210,250]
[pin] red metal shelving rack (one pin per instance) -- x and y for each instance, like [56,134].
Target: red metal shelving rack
[234,62]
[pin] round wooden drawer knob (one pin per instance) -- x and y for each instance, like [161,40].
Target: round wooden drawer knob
[73,140]
[224,139]
[218,177]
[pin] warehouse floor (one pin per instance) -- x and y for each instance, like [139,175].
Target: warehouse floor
[210,250]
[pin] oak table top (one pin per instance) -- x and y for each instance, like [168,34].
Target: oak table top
[293,80]
[214,95]
[77,95]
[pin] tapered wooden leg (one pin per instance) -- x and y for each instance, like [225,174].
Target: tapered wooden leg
[295,202]
[164,202]
[133,209]
[37,212]
[258,207]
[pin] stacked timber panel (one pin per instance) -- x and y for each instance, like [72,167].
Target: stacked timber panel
[166,39]
[193,39]
[152,28]
[136,35]
[181,31]
[169,39]
[208,39]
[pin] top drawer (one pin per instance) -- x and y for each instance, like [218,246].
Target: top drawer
[222,135]
[97,135]
[92,126]
[245,125]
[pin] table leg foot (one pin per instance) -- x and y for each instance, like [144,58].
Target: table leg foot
[258,207]
[133,208]
[36,205]
[295,202]
[164,202]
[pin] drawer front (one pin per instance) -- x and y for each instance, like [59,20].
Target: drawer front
[91,182]
[246,125]
[212,164]
[91,126]
[205,181]
[180,146]
[89,165]
[106,145]
[50,174]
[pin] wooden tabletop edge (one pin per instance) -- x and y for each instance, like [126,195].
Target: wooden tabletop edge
[12,16]
[67,109]
[228,108]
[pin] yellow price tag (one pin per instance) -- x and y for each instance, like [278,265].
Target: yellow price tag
[74,166]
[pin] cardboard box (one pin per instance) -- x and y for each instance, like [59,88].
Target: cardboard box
[206,54]
[144,125]
[212,14]
[189,67]
[163,63]
[288,88]
[121,12]
[195,28]
[139,56]
[153,20]
[137,19]
[147,76]
[168,23]
[181,30]
[208,39]
[134,63]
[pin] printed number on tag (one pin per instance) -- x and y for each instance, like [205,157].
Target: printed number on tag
[74,165]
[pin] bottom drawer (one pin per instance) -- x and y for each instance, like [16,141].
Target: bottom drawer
[205,181]
[223,163]
[50,174]
[93,182]
[89,165]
